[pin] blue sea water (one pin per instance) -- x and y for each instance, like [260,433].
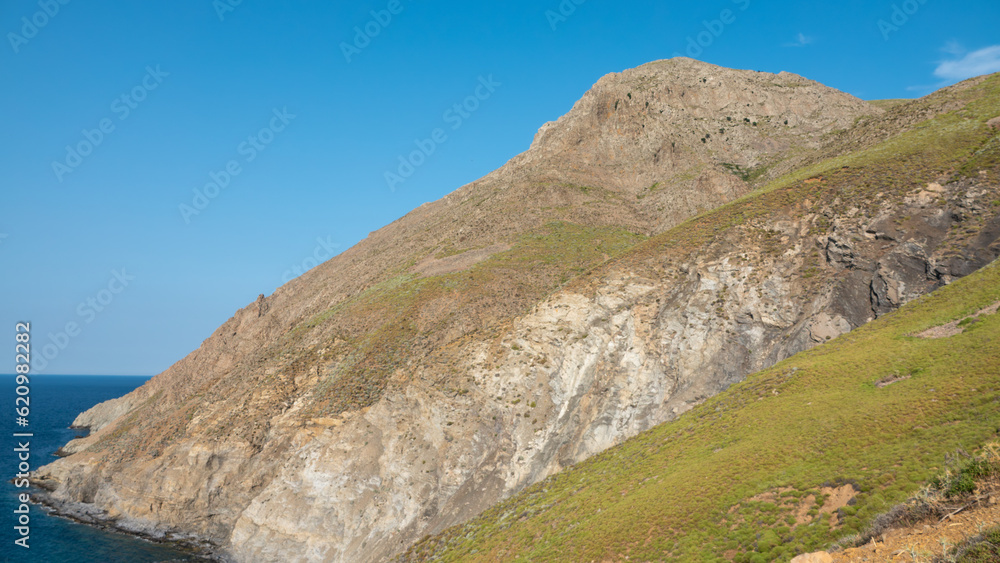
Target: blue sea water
[55,402]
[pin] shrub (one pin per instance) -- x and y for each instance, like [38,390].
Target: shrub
[979,469]
[963,485]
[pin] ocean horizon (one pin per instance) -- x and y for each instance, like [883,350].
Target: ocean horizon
[55,401]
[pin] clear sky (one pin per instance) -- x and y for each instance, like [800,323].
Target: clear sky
[286,119]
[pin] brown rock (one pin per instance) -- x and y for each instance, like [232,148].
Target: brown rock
[994,123]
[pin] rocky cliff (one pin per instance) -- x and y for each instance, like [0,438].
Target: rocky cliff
[546,312]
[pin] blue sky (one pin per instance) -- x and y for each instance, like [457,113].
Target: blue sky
[115,114]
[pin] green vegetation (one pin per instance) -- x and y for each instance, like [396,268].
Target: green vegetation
[650,190]
[964,481]
[983,549]
[748,175]
[730,476]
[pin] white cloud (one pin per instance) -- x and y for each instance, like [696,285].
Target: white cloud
[801,40]
[953,48]
[983,61]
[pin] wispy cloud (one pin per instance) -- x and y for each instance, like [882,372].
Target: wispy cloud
[961,64]
[953,48]
[983,61]
[801,40]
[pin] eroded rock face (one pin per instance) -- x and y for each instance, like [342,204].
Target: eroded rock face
[228,447]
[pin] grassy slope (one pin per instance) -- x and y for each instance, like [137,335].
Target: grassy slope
[814,418]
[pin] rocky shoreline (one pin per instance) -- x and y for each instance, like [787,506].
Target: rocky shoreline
[90,515]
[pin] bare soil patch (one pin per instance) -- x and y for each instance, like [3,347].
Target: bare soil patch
[953,328]
[439,266]
[887,381]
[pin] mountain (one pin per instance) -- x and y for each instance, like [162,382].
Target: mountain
[683,226]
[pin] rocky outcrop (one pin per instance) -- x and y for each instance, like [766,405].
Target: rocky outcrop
[104,413]
[343,417]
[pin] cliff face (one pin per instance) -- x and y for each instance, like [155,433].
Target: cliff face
[527,321]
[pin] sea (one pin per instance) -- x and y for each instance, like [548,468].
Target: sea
[55,400]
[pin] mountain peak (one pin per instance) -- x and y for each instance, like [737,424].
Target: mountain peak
[666,120]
